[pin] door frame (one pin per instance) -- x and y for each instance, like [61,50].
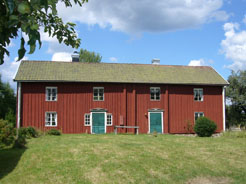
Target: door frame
[105,119]
[162,126]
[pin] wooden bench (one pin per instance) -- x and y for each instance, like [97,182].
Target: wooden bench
[135,127]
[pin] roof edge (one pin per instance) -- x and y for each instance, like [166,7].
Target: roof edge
[59,81]
[221,76]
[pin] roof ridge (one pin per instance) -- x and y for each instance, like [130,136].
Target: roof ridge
[117,63]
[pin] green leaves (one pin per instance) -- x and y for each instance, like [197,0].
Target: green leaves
[22,50]
[236,94]
[29,16]
[24,8]
[10,6]
[89,57]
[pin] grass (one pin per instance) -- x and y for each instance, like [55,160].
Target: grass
[126,159]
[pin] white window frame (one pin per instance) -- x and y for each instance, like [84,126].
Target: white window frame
[198,89]
[46,114]
[155,88]
[46,94]
[98,88]
[86,118]
[199,115]
[111,118]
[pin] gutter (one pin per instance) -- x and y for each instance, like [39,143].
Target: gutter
[18,105]
[224,104]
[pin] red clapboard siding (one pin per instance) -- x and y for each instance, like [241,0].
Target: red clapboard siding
[128,103]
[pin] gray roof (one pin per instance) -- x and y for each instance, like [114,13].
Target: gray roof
[39,71]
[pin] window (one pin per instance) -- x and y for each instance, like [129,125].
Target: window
[198,94]
[155,93]
[98,93]
[87,119]
[109,119]
[50,119]
[198,114]
[51,93]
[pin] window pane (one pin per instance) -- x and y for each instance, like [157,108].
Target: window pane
[109,119]
[196,116]
[152,96]
[101,98]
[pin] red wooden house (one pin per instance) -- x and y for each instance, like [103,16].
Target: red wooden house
[80,97]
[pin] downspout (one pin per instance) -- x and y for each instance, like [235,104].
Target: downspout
[19,105]
[224,104]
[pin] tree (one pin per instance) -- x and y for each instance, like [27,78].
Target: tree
[25,16]
[7,100]
[236,94]
[89,57]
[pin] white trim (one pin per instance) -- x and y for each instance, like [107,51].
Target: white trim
[105,121]
[224,104]
[51,121]
[162,126]
[202,94]
[111,119]
[98,93]
[220,75]
[85,119]
[51,87]
[155,88]
[19,104]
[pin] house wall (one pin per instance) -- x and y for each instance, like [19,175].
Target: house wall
[128,103]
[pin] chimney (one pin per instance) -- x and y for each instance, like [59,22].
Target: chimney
[75,56]
[155,61]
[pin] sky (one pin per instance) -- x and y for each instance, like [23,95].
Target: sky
[178,32]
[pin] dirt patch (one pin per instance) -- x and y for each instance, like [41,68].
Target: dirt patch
[210,180]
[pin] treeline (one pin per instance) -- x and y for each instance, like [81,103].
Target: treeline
[236,99]
[7,102]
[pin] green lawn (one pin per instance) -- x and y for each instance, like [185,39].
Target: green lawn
[125,159]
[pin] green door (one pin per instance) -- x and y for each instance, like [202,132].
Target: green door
[155,122]
[98,123]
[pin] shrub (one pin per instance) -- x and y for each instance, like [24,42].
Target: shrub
[10,117]
[204,127]
[20,142]
[32,132]
[54,132]
[22,132]
[7,133]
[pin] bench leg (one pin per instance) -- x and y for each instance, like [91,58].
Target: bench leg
[115,131]
[137,131]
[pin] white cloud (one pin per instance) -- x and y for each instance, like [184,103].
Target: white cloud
[234,46]
[113,59]
[62,56]
[8,70]
[147,15]
[199,62]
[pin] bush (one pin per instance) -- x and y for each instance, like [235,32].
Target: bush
[204,127]
[54,132]
[10,117]
[22,132]
[7,133]
[32,132]
[20,142]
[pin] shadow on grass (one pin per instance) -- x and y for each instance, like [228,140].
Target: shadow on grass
[9,159]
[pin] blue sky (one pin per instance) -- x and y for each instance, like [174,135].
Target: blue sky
[178,32]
